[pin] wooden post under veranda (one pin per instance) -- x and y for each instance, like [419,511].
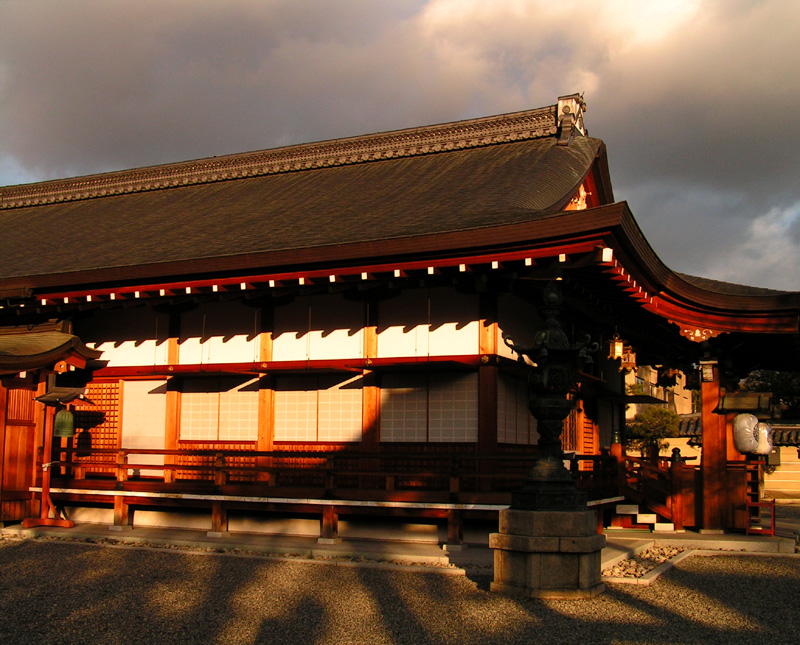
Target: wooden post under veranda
[47,505]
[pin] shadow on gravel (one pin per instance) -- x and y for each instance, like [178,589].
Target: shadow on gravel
[74,592]
[83,593]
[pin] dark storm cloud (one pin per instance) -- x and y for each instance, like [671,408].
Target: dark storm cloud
[695,99]
[90,86]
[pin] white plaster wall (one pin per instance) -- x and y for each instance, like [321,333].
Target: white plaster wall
[784,481]
[433,322]
[219,332]
[403,325]
[135,336]
[455,323]
[148,352]
[319,328]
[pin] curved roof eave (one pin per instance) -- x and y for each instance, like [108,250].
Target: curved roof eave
[687,299]
[21,352]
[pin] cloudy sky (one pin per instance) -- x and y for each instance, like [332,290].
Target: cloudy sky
[698,101]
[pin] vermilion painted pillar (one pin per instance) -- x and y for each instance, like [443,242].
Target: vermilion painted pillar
[266,397]
[488,376]
[173,396]
[714,457]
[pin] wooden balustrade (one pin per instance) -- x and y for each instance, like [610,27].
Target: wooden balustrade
[442,485]
[661,485]
[333,472]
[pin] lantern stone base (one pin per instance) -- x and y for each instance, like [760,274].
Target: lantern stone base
[547,554]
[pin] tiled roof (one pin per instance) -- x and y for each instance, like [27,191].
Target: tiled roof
[32,350]
[691,426]
[786,435]
[441,188]
[728,288]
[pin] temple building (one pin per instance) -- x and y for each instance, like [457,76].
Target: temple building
[320,331]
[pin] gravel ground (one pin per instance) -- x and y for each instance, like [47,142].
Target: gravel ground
[65,592]
[643,562]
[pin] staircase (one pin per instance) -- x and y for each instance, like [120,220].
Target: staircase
[630,516]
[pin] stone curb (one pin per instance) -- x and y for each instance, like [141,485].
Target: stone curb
[628,554]
[306,557]
[653,574]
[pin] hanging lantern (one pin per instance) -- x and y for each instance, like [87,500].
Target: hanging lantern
[64,424]
[628,360]
[615,348]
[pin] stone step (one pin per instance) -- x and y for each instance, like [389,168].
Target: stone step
[646,518]
[663,526]
[627,509]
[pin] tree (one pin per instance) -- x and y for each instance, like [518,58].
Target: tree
[649,429]
[784,386]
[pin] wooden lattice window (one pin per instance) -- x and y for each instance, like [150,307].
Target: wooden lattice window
[97,426]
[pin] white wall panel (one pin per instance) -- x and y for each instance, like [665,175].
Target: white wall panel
[219,332]
[319,328]
[454,323]
[432,322]
[337,328]
[129,352]
[144,412]
[291,340]
[136,336]
[403,325]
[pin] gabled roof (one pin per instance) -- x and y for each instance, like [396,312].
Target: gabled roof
[376,188]
[379,201]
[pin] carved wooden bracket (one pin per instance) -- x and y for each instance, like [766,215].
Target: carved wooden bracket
[696,334]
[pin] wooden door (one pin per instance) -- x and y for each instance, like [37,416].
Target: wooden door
[17,432]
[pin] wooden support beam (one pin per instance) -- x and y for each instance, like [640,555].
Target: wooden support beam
[714,457]
[47,505]
[488,376]
[173,396]
[676,502]
[219,517]
[455,528]
[330,524]
[266,395]
[122,515]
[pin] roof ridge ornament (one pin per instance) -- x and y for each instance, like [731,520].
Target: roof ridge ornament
[570,117]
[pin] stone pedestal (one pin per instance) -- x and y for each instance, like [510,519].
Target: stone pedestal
[547,554]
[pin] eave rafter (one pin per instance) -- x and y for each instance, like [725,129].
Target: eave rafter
[697,323]
[551,258]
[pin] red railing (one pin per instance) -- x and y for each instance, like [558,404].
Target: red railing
[336,473]
[665,486]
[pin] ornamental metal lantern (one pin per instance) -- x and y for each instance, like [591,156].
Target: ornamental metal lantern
[64,424]
[628,360]
[615,348]
[553,364]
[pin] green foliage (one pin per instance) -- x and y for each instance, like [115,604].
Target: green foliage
[637,389]
[649,429]
[785,387]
